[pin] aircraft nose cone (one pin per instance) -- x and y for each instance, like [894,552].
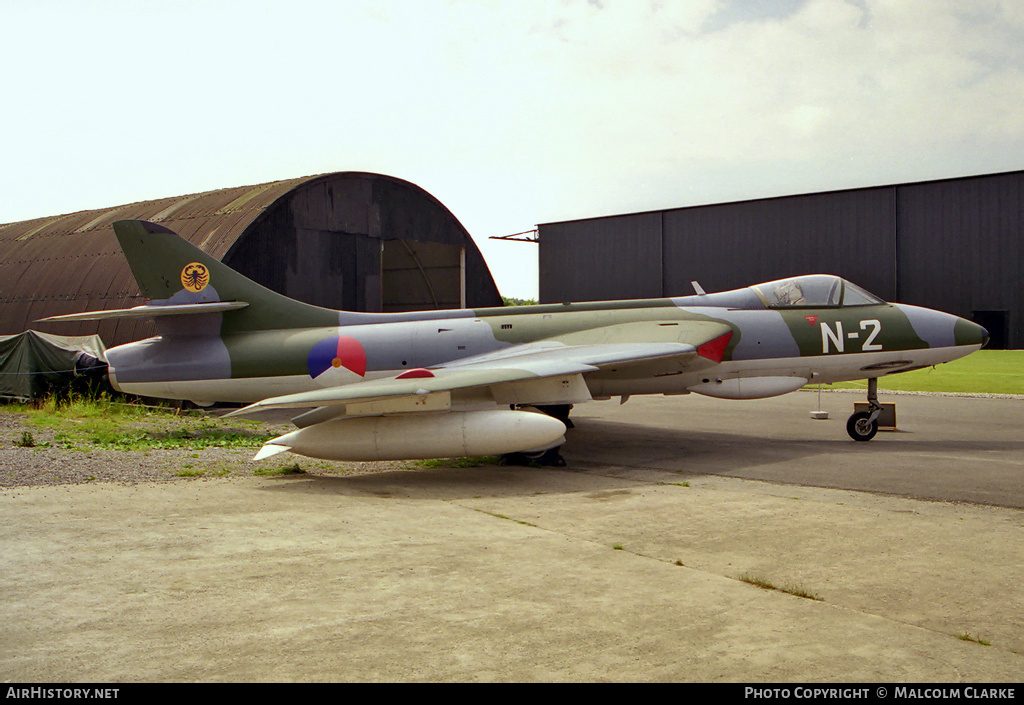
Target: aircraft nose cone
[970,333]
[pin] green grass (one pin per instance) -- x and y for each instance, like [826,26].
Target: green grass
[103,423]
[984,372]
[292,469]
[967,637]
[204,436]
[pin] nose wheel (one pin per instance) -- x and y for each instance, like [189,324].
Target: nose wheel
[863,425]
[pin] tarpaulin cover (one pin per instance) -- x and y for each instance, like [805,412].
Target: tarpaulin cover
[33,363]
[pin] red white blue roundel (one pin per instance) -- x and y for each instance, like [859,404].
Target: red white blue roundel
[334,353]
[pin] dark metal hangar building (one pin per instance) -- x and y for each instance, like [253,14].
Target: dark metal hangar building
[348,240]
[956,245]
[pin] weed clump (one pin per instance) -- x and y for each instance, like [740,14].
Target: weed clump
[766,584]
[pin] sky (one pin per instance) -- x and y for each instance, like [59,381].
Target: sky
[511,113]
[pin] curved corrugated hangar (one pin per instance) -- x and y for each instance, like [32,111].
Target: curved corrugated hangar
[347,240]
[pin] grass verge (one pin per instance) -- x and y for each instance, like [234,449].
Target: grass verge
[105,424]
[984,372]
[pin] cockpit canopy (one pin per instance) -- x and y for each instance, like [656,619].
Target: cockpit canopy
[813,291]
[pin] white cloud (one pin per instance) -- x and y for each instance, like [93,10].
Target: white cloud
[511,113]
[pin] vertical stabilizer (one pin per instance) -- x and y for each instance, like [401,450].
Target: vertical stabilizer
[171,270]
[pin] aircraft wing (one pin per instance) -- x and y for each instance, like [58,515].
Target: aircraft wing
[543,372]
[516,365]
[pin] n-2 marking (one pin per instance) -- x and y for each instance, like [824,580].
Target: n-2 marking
[837,338]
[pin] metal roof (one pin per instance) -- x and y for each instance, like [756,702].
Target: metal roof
[60,264]
[70,263]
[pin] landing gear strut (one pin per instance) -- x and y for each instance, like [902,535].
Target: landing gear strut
[558,411]
[863,425]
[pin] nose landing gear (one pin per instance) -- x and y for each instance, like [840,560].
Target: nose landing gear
[863,425]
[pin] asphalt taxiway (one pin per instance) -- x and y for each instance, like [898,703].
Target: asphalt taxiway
[632,563]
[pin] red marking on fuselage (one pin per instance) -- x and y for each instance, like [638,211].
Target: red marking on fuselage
[715,349]
[415,374]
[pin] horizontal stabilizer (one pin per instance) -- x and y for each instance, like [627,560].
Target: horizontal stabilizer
[147,311]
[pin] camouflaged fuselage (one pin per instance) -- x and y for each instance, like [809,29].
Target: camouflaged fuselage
[824,344]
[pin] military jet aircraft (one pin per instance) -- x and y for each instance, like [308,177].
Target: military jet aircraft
[495,381]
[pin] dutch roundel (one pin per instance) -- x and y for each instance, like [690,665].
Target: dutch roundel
[336,353]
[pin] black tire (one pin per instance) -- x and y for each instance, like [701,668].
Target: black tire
[546,458]
[859,428]
[552,458]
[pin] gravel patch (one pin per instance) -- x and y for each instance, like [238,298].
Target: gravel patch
[47,462]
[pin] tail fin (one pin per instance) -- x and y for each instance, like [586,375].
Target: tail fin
[172,271]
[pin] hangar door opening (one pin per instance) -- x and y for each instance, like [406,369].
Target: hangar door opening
[997,323]
[422,276]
